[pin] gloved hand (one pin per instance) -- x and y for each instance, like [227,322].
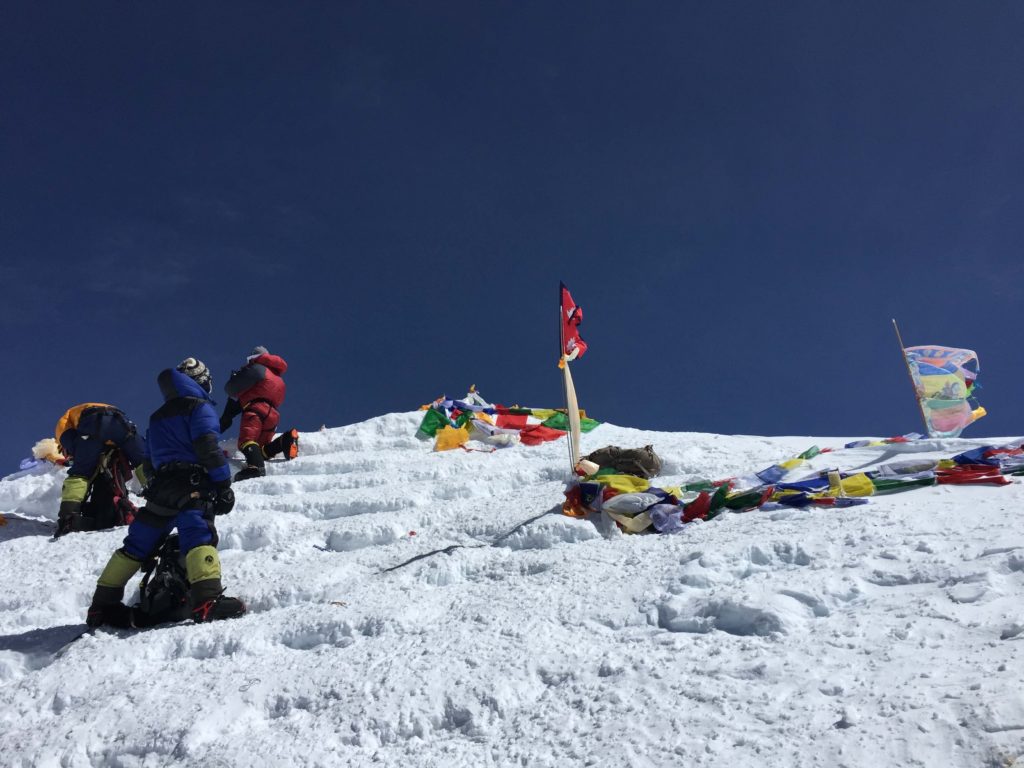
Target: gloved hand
[144,474]
[224,502]
[231,409]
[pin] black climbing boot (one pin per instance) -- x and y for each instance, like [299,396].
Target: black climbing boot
[222,607]
[209,603]
[254,463]
[108,610]
[287,443]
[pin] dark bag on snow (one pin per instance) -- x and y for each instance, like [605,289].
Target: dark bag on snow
[642,462]
[163,594]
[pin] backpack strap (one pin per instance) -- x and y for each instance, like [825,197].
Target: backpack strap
[150,563]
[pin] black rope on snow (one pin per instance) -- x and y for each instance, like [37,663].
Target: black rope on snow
[448,550]
[519,526]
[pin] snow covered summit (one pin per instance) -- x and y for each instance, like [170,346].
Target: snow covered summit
[435,609]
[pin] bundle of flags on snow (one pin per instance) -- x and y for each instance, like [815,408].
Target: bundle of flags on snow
[454,423]
[638,506]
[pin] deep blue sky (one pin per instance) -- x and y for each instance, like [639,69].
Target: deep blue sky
[740,195]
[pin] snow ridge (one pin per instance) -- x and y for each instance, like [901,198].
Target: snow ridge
[414,608]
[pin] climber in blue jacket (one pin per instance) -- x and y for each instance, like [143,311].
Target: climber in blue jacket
[191,484]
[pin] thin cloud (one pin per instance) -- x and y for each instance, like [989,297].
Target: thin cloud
[208,207]
[26,295]
[113,277]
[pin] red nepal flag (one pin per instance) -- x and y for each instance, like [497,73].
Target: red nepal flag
[572,345]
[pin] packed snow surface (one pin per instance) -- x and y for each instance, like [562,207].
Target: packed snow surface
[416,608]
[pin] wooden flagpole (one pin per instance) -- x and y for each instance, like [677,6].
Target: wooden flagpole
[910,374]
[564,365]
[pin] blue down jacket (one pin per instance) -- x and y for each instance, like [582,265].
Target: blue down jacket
[185,428]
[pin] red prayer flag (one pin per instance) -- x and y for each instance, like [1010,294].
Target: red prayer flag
[572,315]
[699,507]
[510,421]
[535,434]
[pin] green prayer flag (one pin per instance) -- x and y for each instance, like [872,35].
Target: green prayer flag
[561,421]
[432,421]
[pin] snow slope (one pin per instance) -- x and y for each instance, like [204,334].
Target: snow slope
[886,634]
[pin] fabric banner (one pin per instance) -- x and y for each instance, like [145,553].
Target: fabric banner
[573,347]
[571,317]
[944,379]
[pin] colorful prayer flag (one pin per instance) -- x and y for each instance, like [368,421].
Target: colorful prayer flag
[944,378]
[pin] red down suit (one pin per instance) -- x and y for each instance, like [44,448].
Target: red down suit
[259,390]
